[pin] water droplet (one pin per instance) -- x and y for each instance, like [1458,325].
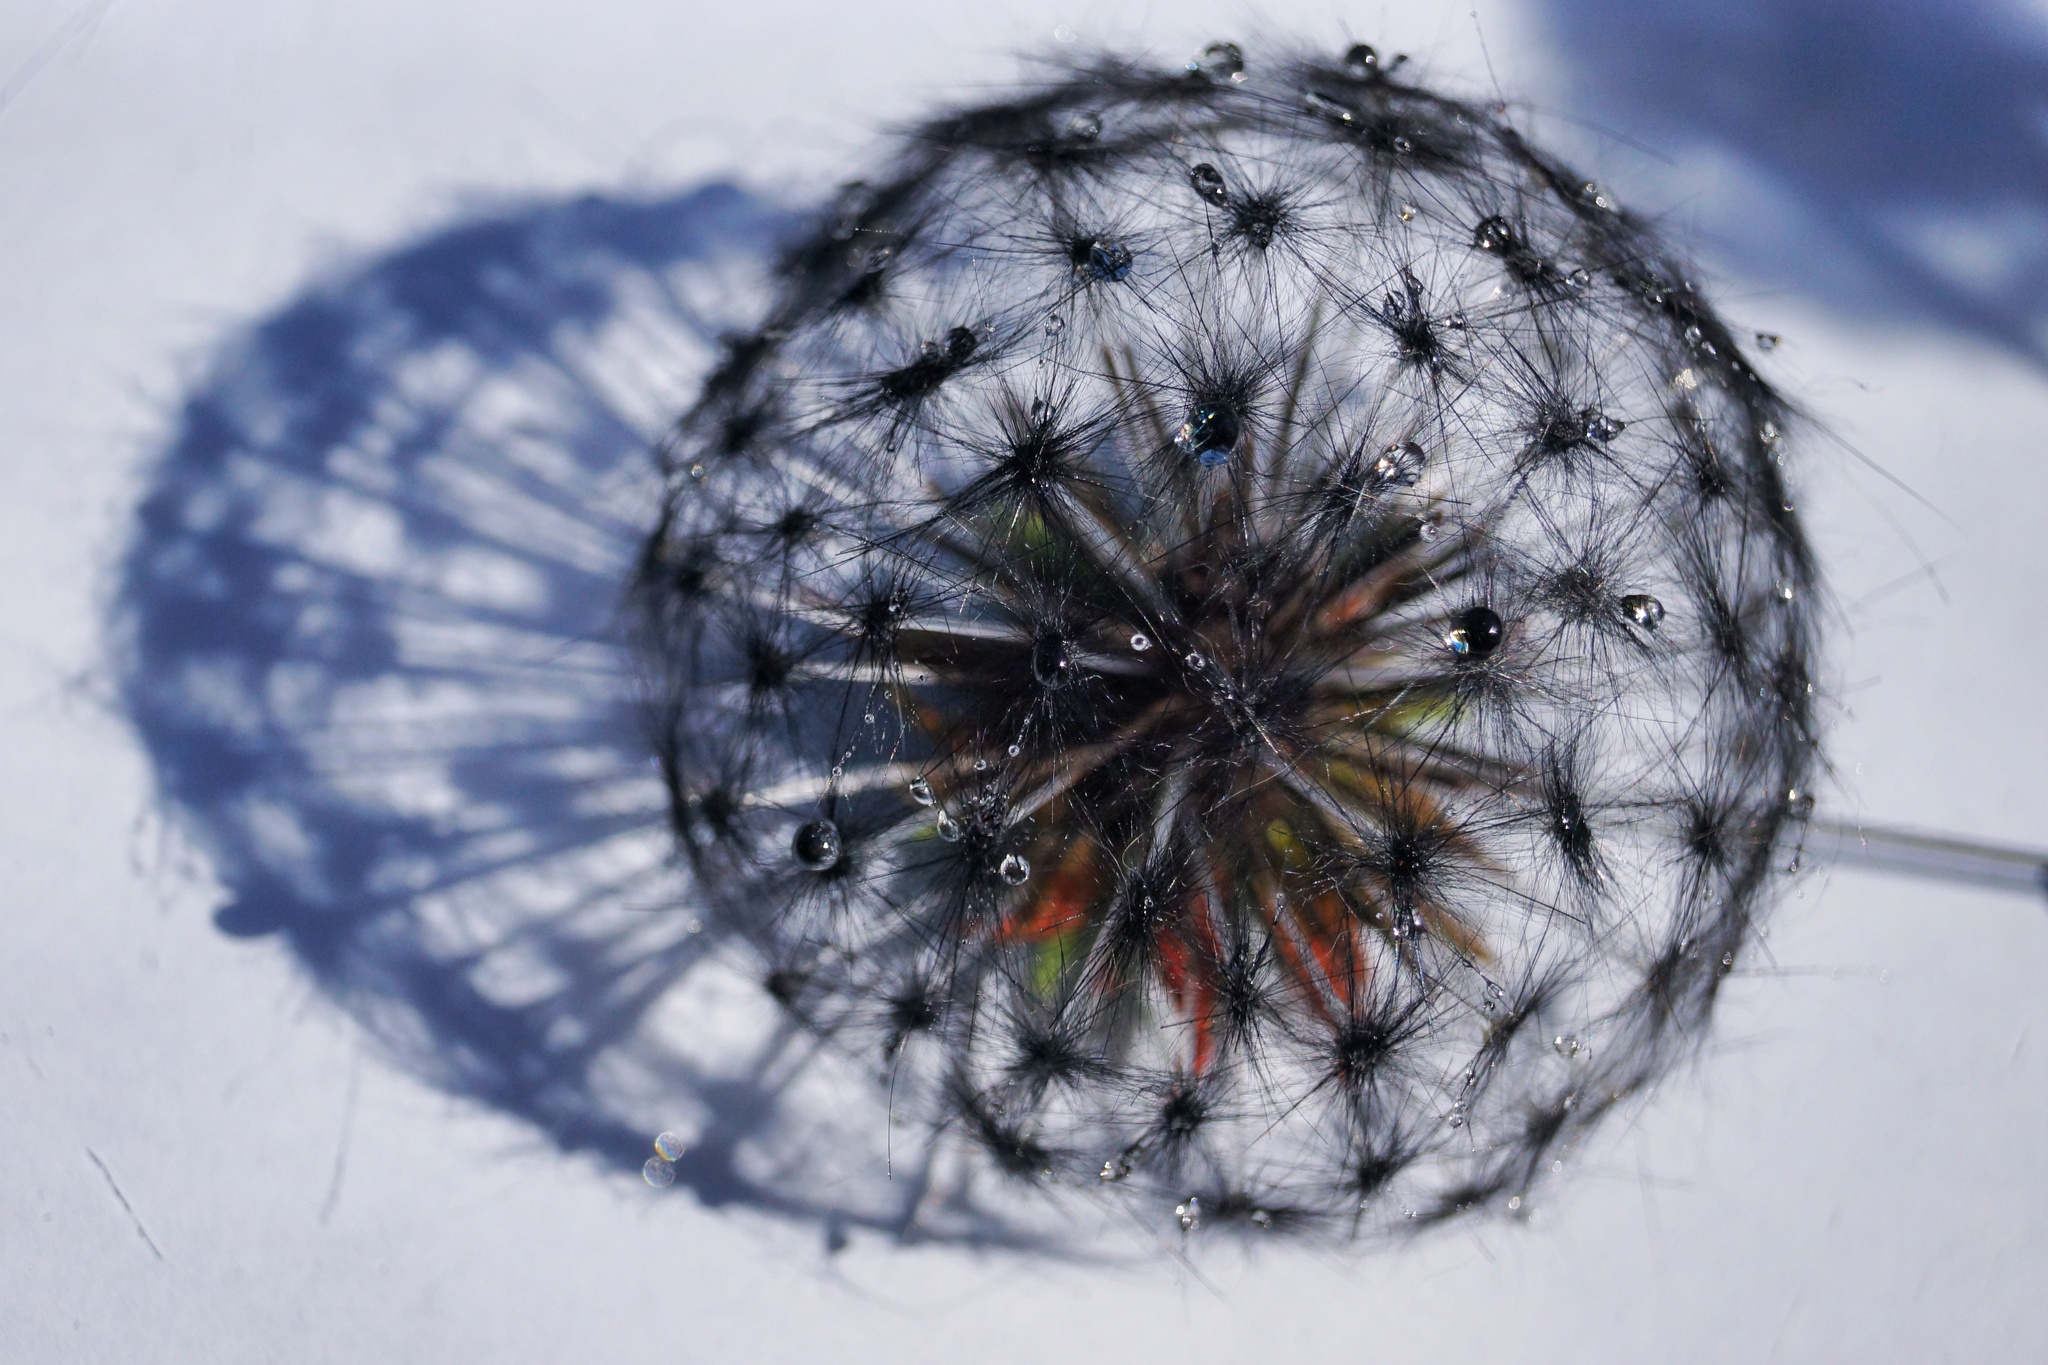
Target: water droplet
[1084,127]
[1408,212]
[1063,34]
[1402,146]
[1514,1203]
[1322,106]
[1052,663]
[1196,660]
[1221,61]
[1457,1116]
[1567,1044]
[1495,234]
[1189,1212]
[1141,642]
[1429,531]
[1767,341]
[948,827]
[1601,428]
[1014,870]
[1209,435]
[1054,324]
[1580,279]
[1476,633]
[1768,432]
[696,471]
[1014,750]
[669,1147]
[1457,321]
[1208,182]
[1786,592]
[1116,1169]
[1597,197]
[1362,60]
[1261,1219]
[816,846]
[1692,336]
[838,771]
[1398,466]
[658,1173]
[867,717]
[1643,610]
[981,765]
[921,792]
[1109,260]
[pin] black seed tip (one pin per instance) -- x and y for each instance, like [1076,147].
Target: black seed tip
[784,985]
[1258,218]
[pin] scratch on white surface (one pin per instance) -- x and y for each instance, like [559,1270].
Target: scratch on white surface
[127,1207]
[348,1123]
[25,73]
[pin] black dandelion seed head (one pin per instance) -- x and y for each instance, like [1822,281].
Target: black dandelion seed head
[911,1009]
[1259,218]
[1214,670]
[1182,1114]
[688,567]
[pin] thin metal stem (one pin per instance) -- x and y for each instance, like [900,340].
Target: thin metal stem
[1933,856]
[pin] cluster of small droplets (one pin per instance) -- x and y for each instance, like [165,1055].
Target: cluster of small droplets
[660,1169]
[1237,635]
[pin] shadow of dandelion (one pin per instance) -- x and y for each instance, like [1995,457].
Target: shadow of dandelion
[371,642]
[1897,151]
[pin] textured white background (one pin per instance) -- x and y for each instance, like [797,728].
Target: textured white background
[1854,1172]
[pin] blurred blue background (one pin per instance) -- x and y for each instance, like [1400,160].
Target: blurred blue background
[1887,156]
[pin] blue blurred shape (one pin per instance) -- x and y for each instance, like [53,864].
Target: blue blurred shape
[1891,155]
[370,634]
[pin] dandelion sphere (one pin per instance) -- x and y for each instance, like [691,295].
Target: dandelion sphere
[1457,517]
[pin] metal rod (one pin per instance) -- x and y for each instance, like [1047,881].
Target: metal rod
[1934,856]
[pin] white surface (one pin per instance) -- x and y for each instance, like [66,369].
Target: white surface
[1854,1173]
